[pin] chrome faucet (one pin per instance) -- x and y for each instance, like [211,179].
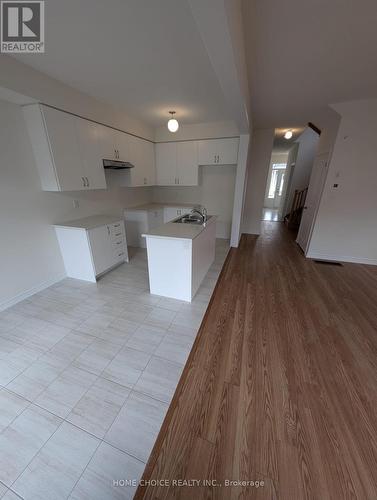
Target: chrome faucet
[202,213]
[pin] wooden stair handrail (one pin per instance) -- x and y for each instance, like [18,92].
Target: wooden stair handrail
[298,204]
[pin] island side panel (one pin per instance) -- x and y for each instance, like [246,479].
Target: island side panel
[76,253]
[203,255]
[169,267]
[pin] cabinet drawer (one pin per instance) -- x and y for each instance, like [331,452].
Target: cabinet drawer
[120,255]
[119,243]
[117,230]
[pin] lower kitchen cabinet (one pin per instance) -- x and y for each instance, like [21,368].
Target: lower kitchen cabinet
[90,249]
[141,221]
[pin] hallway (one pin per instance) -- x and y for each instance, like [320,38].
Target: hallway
[281,385]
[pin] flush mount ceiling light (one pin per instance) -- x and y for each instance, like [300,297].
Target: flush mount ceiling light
[288,134]
[173,124]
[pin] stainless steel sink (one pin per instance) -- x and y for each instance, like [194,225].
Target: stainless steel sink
[190,219]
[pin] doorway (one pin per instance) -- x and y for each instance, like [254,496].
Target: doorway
[275,187]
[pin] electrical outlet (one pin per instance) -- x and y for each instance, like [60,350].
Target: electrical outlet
[75,203]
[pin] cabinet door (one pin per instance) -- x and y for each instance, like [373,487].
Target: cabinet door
[187,163]
[218,151]
[89,144]
[135,175]
[123,145]
[149,162]
[62,136]
[106,137]
[166,164]
[227,151]
[102,248]
[155,218]
[207,152]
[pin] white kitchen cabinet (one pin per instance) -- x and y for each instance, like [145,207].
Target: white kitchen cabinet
[142,157]
[92,246]
[66,150]
[187,163]
[115,145]
[90,152]
[141,221]
[218,151]
[166,164]
[177,163]
[56,150]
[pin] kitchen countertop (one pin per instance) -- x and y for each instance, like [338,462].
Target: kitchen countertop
[156,206]
[90,222]
[179,231]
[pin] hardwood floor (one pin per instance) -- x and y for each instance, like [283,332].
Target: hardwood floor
[281,384]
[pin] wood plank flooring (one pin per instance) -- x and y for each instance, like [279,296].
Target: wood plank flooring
[281,384]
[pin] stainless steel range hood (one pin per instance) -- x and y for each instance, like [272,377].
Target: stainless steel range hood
[116,164]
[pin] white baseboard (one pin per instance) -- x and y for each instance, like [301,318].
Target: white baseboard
[341,258]
[5,304]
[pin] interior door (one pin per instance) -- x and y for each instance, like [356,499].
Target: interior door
[317,181]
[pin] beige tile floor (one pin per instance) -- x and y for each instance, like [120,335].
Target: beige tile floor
[87,372]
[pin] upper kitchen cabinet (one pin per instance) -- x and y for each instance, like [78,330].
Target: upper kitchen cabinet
[187,163]
[166,164]
[90,152]
[177,163]
[218,151]
[114,145]
[65,149]
[142,157]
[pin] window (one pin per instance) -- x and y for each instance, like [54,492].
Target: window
[277,179]
[274,179]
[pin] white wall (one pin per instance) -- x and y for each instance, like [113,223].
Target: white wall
[260,156]
[215,192]
[346,225]
[300,176]
[240,190]
[29,253]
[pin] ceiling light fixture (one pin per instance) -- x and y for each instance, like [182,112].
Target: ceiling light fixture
[288,134]
[173,124]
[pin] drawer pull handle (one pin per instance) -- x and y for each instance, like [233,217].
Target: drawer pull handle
[120,254]
[116,225]
[118,234]
[119,242]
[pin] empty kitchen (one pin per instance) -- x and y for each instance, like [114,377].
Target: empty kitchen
[188,254]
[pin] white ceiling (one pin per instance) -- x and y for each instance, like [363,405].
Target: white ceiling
[145,56]
[305,54]
[283,145]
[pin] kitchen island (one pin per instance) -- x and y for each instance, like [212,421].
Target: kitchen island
[179,257]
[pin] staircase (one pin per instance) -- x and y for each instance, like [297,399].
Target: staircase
[293,219]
